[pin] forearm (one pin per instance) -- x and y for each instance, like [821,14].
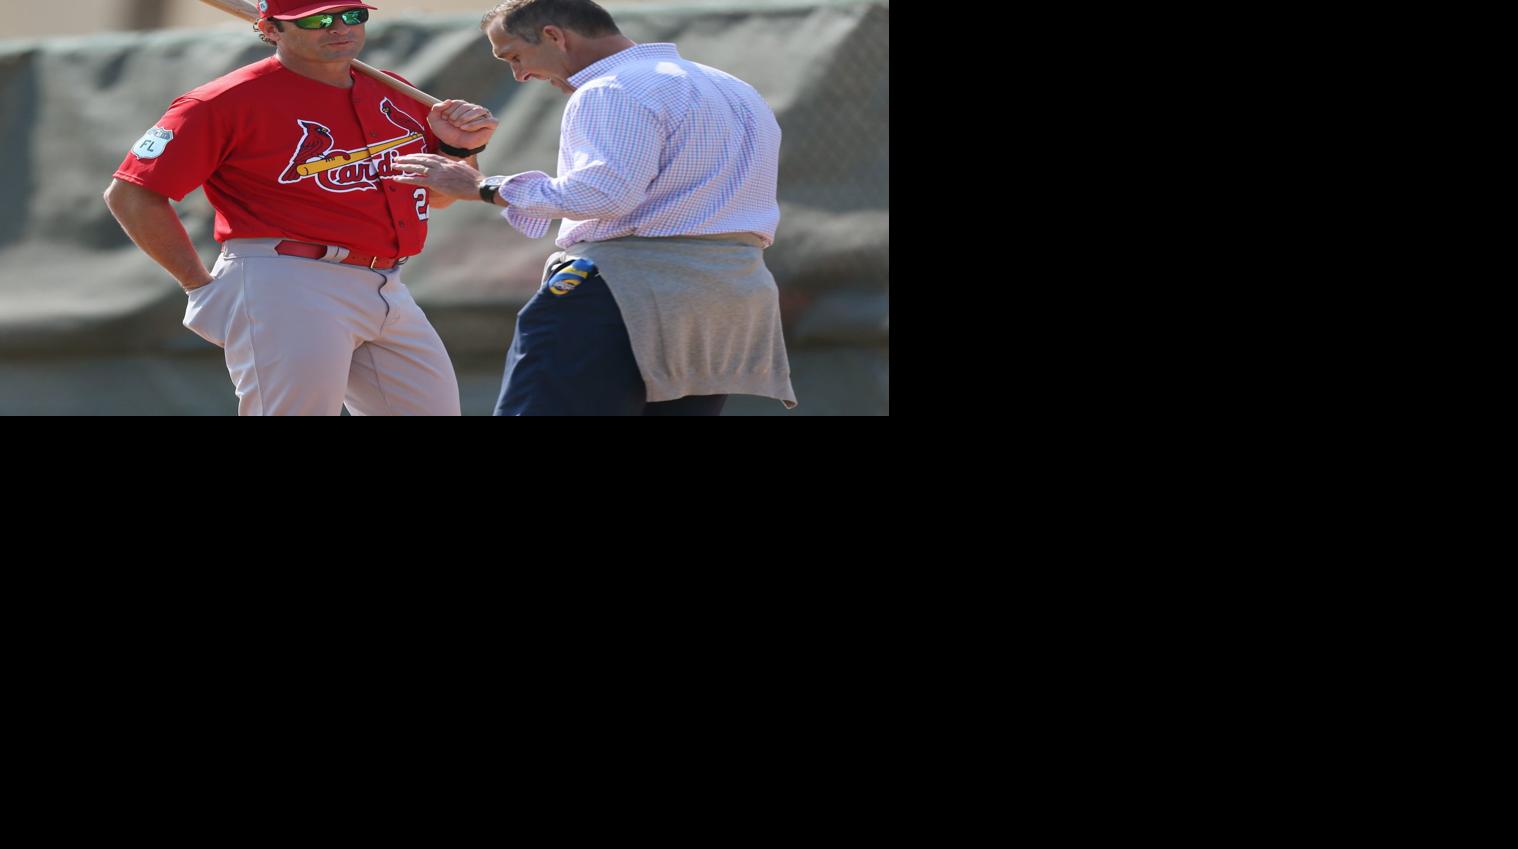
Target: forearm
[149,219]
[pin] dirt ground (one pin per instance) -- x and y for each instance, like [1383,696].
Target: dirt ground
[828,382]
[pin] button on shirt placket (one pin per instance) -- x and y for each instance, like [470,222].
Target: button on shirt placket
[376,129]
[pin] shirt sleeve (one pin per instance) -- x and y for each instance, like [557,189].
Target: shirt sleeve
[608,157]
[179,153]
[531,226]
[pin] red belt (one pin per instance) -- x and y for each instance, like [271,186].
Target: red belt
[309,251]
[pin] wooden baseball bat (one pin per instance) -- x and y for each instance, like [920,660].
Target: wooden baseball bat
[245,10]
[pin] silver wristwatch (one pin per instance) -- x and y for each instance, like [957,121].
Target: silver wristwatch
[488,188]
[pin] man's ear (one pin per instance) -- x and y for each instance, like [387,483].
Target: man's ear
[559,37]
[266,27]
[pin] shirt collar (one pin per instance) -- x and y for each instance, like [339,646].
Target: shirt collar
[635,53]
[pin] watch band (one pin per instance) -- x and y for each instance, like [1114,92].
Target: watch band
[489,188]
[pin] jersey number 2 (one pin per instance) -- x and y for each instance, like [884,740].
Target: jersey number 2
[421,204]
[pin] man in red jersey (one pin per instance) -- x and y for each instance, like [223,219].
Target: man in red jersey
[306,298]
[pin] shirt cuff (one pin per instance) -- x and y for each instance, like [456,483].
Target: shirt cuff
[514,190]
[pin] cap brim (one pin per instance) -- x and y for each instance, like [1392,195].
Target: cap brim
[319,7]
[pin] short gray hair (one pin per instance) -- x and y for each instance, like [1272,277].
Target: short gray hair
[525,19]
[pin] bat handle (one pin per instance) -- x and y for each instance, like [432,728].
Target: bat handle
[385,79]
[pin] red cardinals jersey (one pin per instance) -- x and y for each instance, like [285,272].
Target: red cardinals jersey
[282,155]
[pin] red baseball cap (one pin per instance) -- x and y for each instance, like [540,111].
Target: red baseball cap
[289,10]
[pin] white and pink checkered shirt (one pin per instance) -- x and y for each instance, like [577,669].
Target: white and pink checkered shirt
[655,145]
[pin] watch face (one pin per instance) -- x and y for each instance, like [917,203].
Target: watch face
[489,187]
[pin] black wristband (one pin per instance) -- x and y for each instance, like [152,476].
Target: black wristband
[457,151]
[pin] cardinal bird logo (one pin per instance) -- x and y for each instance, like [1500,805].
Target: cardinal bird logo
[315,143]
[405,122]
[317,156]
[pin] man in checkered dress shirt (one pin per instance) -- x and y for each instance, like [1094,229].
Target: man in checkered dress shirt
[660,302]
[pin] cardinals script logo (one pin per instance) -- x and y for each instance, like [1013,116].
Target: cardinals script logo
[318,158]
